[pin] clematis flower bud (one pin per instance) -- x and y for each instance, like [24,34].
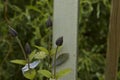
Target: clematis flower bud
[59,41]
[27,48]
[49,22]
[13,32]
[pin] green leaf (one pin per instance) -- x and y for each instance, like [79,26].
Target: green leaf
[51,79]
[45,73]
[39,2]
[42,49]
[62,59]
[30,74]
[31,56]
[21,62]
[63,73]
[16,8]
[33,8]
[40,55]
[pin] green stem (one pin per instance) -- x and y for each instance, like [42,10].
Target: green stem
[28,63]
[49,41]
[55,63]
[49,47]
[8,53]
[23,51]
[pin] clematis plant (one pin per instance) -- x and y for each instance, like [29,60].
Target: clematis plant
[33,59]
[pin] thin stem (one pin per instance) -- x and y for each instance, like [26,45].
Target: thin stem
[28,62]
[55,63]
[8,53]
[6,11]
[49,41]
[23,51]
[6,56]
[18,40]
[49,47]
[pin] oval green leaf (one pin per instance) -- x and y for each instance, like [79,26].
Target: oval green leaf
[62,59]
[63,73]
[30,74]
[45,73]
[17,61]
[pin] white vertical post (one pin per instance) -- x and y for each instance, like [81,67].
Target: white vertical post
[65,24]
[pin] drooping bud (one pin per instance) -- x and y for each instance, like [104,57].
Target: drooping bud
[49,22]
[59,41]
[13,32]
[27,48]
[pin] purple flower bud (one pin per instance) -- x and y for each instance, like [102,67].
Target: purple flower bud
[59,41]
[13,32]
[27,48]
[49,23]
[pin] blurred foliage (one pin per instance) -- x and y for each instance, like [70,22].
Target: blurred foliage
[28,18]
[93,29]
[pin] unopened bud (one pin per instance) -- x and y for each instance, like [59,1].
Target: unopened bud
[27,48]
[59,41]
[13,32]
[49,22]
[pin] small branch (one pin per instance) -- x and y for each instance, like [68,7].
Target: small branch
[55,63]
[23,51]
[8,53]
[28,62]
[6,11]
[18,40]
[49,48]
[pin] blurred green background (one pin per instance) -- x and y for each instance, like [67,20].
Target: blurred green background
[29,17]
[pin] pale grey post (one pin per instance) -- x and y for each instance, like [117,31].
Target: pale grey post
[65,24]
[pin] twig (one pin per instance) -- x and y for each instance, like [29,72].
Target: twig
[6,56]
[6,11]
[55,63]
[23,51]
